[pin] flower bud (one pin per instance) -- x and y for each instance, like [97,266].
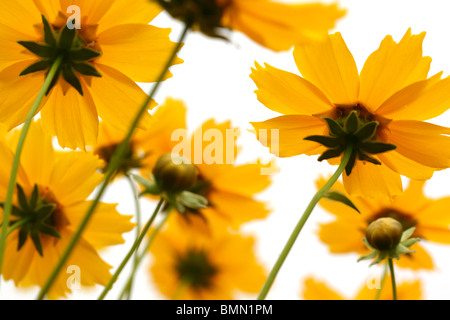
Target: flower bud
[384,234]
[174,173]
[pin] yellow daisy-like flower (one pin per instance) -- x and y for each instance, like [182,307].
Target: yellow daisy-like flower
[229,188]
[189,266]
[277,26]
[387,103]
[318,290]
[411,209]
[112,47]
[51,198]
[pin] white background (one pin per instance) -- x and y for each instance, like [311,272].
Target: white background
[214,82]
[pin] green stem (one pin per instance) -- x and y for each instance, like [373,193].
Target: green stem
[17,225]
[383,281]
[134,248]
[16,162]
[111,170]
[129,287]
[298,228]
[143,254]
[394,287]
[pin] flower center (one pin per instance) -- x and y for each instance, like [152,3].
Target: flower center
[354,126]
[75,48]
[131,159]
[195,269]
[39,214]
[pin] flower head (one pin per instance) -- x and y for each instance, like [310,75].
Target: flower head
[318,290]
[51,199]
[384,233]
[379,111]
[189,266]
[277,26]
[106,46]
[411,209]
[228,188]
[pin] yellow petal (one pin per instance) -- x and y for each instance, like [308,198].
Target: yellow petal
[372,181]
[434,223]
[287,93]
[422,142]
[120,12]
[405,166]
[330,66]
[343,237]
[19,15]
[405,291]
[416,261]
[139,51]
[118,98]
[91,11]
[391,68]
[71,117]
[413,200]
[279,26]
[12,51]
[317,290]
[49,8]
[18,93]
[284,135]
[106,226]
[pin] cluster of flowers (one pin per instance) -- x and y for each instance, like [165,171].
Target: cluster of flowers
[73,119]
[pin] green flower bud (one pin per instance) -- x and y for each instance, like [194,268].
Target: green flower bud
[384,234]
[174,173]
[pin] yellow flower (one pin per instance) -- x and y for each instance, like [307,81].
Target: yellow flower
[113,48]
[52,193]
[277,26]
[392,95]
[229,188]
[189,266]
[318,290]
[411,209]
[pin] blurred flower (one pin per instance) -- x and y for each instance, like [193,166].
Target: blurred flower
[411,209]
[277,26]
[229,188]
[317,290]
[377,111]
[113,48]
[189,266]
[51,199]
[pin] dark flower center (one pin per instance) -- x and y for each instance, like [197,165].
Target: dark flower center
[406,220]
[68,44]
[131,159]
[195,269]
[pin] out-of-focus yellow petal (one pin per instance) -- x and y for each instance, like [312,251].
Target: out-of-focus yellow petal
[434,221]
[287,139]
[120,44]
[391,68]
[343,237]
[106,226]
[372,181]
[412,200]
[19,15]
[121,12]
[410,290]
[330,66]
[416,261]
[317,290]
[422,142]
[405,166]
[279,26]
[118,98]
[288,93]
[71,117]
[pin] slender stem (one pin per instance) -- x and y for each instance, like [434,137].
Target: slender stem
[129,287]
[111,170]
[394,286]
[16,162]
[134,248]
[383,281]
[17,225]
[143,254]
[298,228]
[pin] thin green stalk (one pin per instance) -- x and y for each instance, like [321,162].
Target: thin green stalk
[298,228]
[17,225]
[134,248]
[143,254]
[137,205]
[394,286]
[16,161]
[383,280]
[111,170]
